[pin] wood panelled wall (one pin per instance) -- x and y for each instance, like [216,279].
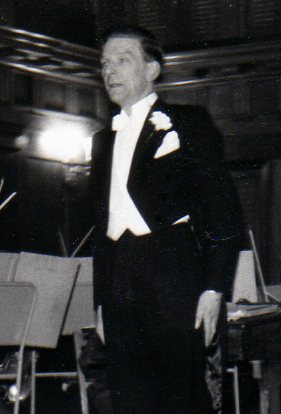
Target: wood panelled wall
[182,23]
[177,23]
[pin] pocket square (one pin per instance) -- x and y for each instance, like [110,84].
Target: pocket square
[170,143]
[183,219]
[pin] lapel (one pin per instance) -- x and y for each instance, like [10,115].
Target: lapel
[148,142]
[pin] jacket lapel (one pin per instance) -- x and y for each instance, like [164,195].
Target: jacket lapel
[148,142]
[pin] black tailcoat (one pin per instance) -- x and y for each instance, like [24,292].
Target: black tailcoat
[158,278]
[191,180]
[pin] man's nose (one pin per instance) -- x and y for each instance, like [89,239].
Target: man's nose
[109,69]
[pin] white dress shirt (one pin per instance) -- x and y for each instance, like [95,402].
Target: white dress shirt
[123,213]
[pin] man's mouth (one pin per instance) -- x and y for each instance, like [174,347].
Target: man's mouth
[114,85]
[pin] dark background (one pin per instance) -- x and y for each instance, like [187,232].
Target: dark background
[177,23]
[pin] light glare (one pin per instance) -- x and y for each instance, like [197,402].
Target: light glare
[62,142]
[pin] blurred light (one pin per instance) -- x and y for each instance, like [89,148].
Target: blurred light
[22,141]
[63,142]
[87,146]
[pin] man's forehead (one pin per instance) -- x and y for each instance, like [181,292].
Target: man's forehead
[122,44]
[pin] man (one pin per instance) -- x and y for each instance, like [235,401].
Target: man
[168,230]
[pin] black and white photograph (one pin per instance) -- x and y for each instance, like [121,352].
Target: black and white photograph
[140,206]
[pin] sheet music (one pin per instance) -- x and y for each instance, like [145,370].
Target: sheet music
[53,278]
[80,312]
[8,265]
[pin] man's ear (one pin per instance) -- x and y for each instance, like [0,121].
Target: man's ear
[153,71]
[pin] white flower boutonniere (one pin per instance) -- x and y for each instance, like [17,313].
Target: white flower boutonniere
[160,121]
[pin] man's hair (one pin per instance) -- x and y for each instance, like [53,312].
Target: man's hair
[151,48]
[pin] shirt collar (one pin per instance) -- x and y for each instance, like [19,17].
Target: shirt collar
[144,104]
[141,107]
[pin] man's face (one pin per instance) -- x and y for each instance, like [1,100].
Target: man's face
[127,75]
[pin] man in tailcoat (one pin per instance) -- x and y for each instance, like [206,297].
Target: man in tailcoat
[167,236]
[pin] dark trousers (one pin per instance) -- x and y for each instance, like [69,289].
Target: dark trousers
[150,293]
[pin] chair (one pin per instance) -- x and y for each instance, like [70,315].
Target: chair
[68,375]
[236,394]
[35,307]
[17,302]
[244,287]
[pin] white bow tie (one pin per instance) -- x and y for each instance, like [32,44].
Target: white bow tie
[120,121]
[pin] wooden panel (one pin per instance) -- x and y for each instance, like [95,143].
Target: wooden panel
[148,13]
[263,17]
[21,89]
[205,19]
[156,16]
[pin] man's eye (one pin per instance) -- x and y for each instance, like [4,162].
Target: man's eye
[123,60]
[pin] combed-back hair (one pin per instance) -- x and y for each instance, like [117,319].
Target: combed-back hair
[151,48]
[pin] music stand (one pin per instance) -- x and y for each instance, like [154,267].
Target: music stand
[17,304]
[25,321]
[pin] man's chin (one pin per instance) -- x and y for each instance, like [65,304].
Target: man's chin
[115,98]
[112,92]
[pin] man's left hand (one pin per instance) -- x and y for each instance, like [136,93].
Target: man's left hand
[208,310]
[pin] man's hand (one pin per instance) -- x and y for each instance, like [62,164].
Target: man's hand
[99,324]
[207,312]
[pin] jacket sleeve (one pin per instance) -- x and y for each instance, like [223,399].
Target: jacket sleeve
[216,212]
